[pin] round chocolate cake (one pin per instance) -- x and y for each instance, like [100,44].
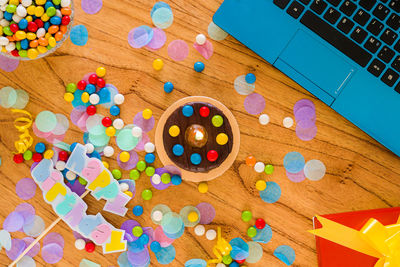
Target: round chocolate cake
[199,140]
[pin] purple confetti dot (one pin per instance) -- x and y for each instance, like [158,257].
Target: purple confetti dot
[8,64]
[158,41]
[172,169]
[128,226]
[305,113]
[13,222]
[306,134]
[131,163]
[26,188]
[160,186]
[207,212]
[303,103]
[144,139]
[146,125]
[178,50]
[52,253]
[306,123]
[139,259]
[140,36]
[35,249]
[254,103]
[53,238]
[17,247]
[296,177]
[91,6]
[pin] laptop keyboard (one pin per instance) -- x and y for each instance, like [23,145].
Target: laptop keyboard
[367,31]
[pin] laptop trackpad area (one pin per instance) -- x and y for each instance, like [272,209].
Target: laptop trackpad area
[317,62]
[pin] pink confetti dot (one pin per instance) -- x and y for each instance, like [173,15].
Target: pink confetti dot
[8,64]
[26,188]
[91,6]
[254,103]
[178,50]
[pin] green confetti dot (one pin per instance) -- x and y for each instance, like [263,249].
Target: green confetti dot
[150,171]
[28,155]
[134,174]
[147,194]
[141,165]
[166,178]
[246,215]
[269,169]
[116,174]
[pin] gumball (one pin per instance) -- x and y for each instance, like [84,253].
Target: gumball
[93,79]
[91,110]
[204,111]
[37,157]
[81,85]
[63,155]
[90,247]
[106,121]
[101,82]
[18,158]
[260,223]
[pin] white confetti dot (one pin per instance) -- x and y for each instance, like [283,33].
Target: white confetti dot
[314,170]
[263,119]
[288,122]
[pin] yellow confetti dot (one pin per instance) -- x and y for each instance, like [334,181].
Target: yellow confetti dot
[158,64]
[85,97]
[147,113]
[101,71]
[106,165]
[174,130]
[193,216]
[261,185]
[203,187]
[48,154]
[124,156]
[69,97]
[222,139]
[110,131]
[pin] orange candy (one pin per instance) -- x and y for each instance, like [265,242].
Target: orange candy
[58,36]
[33,43]
[63,28]
[43,41]
[66,11]
[251,161]
[53,29]
[11,38]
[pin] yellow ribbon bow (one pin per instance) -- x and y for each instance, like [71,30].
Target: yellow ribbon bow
[374,239]
[25,139]
[220,249]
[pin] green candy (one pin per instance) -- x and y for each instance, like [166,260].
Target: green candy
[137,231]
[71,88]
[134,174]
[56,2]
[28,155]
[51,11]
[217,121]
[18,45]
[82,181]
[23,53]
[141,165]
[147,194]
[165,178]
[11,8]
[246,215]
[269,169]
[227,259]
[252,232]
[116,174]
[150,171]
[7,31]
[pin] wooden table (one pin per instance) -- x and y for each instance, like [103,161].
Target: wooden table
[361,174]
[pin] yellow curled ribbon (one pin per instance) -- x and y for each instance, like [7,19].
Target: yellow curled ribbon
[25,139]
[220,249]
[374,239]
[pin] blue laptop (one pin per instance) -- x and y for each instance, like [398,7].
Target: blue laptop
[345,52]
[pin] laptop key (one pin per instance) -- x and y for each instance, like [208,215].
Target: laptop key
[336,38]
[345,25]
[348,8]
[334,2]
[318,6]
[281,3]
[361,17]
[390,77]
[332,15]
[396,64]
[359,35]
[395,5]
[367,4]
[375,27]
[386,54]
[389,36]
[381,12]
[393,22]
[376,67]
[372,44]
[397,46]
[295,9]
[305,2]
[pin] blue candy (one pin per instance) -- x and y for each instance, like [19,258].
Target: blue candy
[168,87]
[55,20]
[7,16]
[72,147]
[48,4]
[114,110]
[137,210]
[199,66]
[40,147]
[178,150]
[90,88]
[250,78]
[195,158]
[46,25]
[150,158]
[176,179]
[23,24]
[187,111]
[24,44]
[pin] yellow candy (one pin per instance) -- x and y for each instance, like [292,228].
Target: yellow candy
[106,165]
[21,35]
[52,42]
[45,17]
[261,185]
[101,71]
[193,216]
[47,35]
[33,53]
[110,131]
[147,113]
[85,97]
[129,193]
[48,154]
[39,11]
[203,187]
[4,49]
[158,64]
[69,97]
[1,30]
[31,10]
[14,2]
[30,36]
[222,139]
[29,18]
[40,2]
[174,131]
[124,156]
[42,49]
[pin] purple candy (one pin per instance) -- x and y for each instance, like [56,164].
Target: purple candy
[52,253]
[140,258]
[17,247]
[158,41]
[160,186]
[207,212]
[91,6]
[131,163]
[13,222]
[302,103]
[306,134]
[35,249]
[8,64]
[305,113]
[53,238]
[128,226]
[146,125]
[26,188]
[254,103]
[140,146]
[296,177]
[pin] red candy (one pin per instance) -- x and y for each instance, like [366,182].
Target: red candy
[93,79]
[101,82]
[37,157]
[240,261]
[91,110]
[39,23]
[212,155]
[32,27]
[14,28]
[81,85]
[90,247]
[260,223]
[63,155]
[18,158]
[204,111]
[15,53]
[65,20]
[106,121]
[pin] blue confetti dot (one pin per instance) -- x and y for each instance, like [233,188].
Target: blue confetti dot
[199,66]
[137,210]
[168,87]
[195,158]
[187,111]
[272,193]
[196,263]
[263,235]
[294,162]
[176,179]
[166,255]
[286,254]
[240,249]
[178,150]
[79,35]
[159,4]
[250,78]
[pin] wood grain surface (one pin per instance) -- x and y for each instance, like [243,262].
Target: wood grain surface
[361,174]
